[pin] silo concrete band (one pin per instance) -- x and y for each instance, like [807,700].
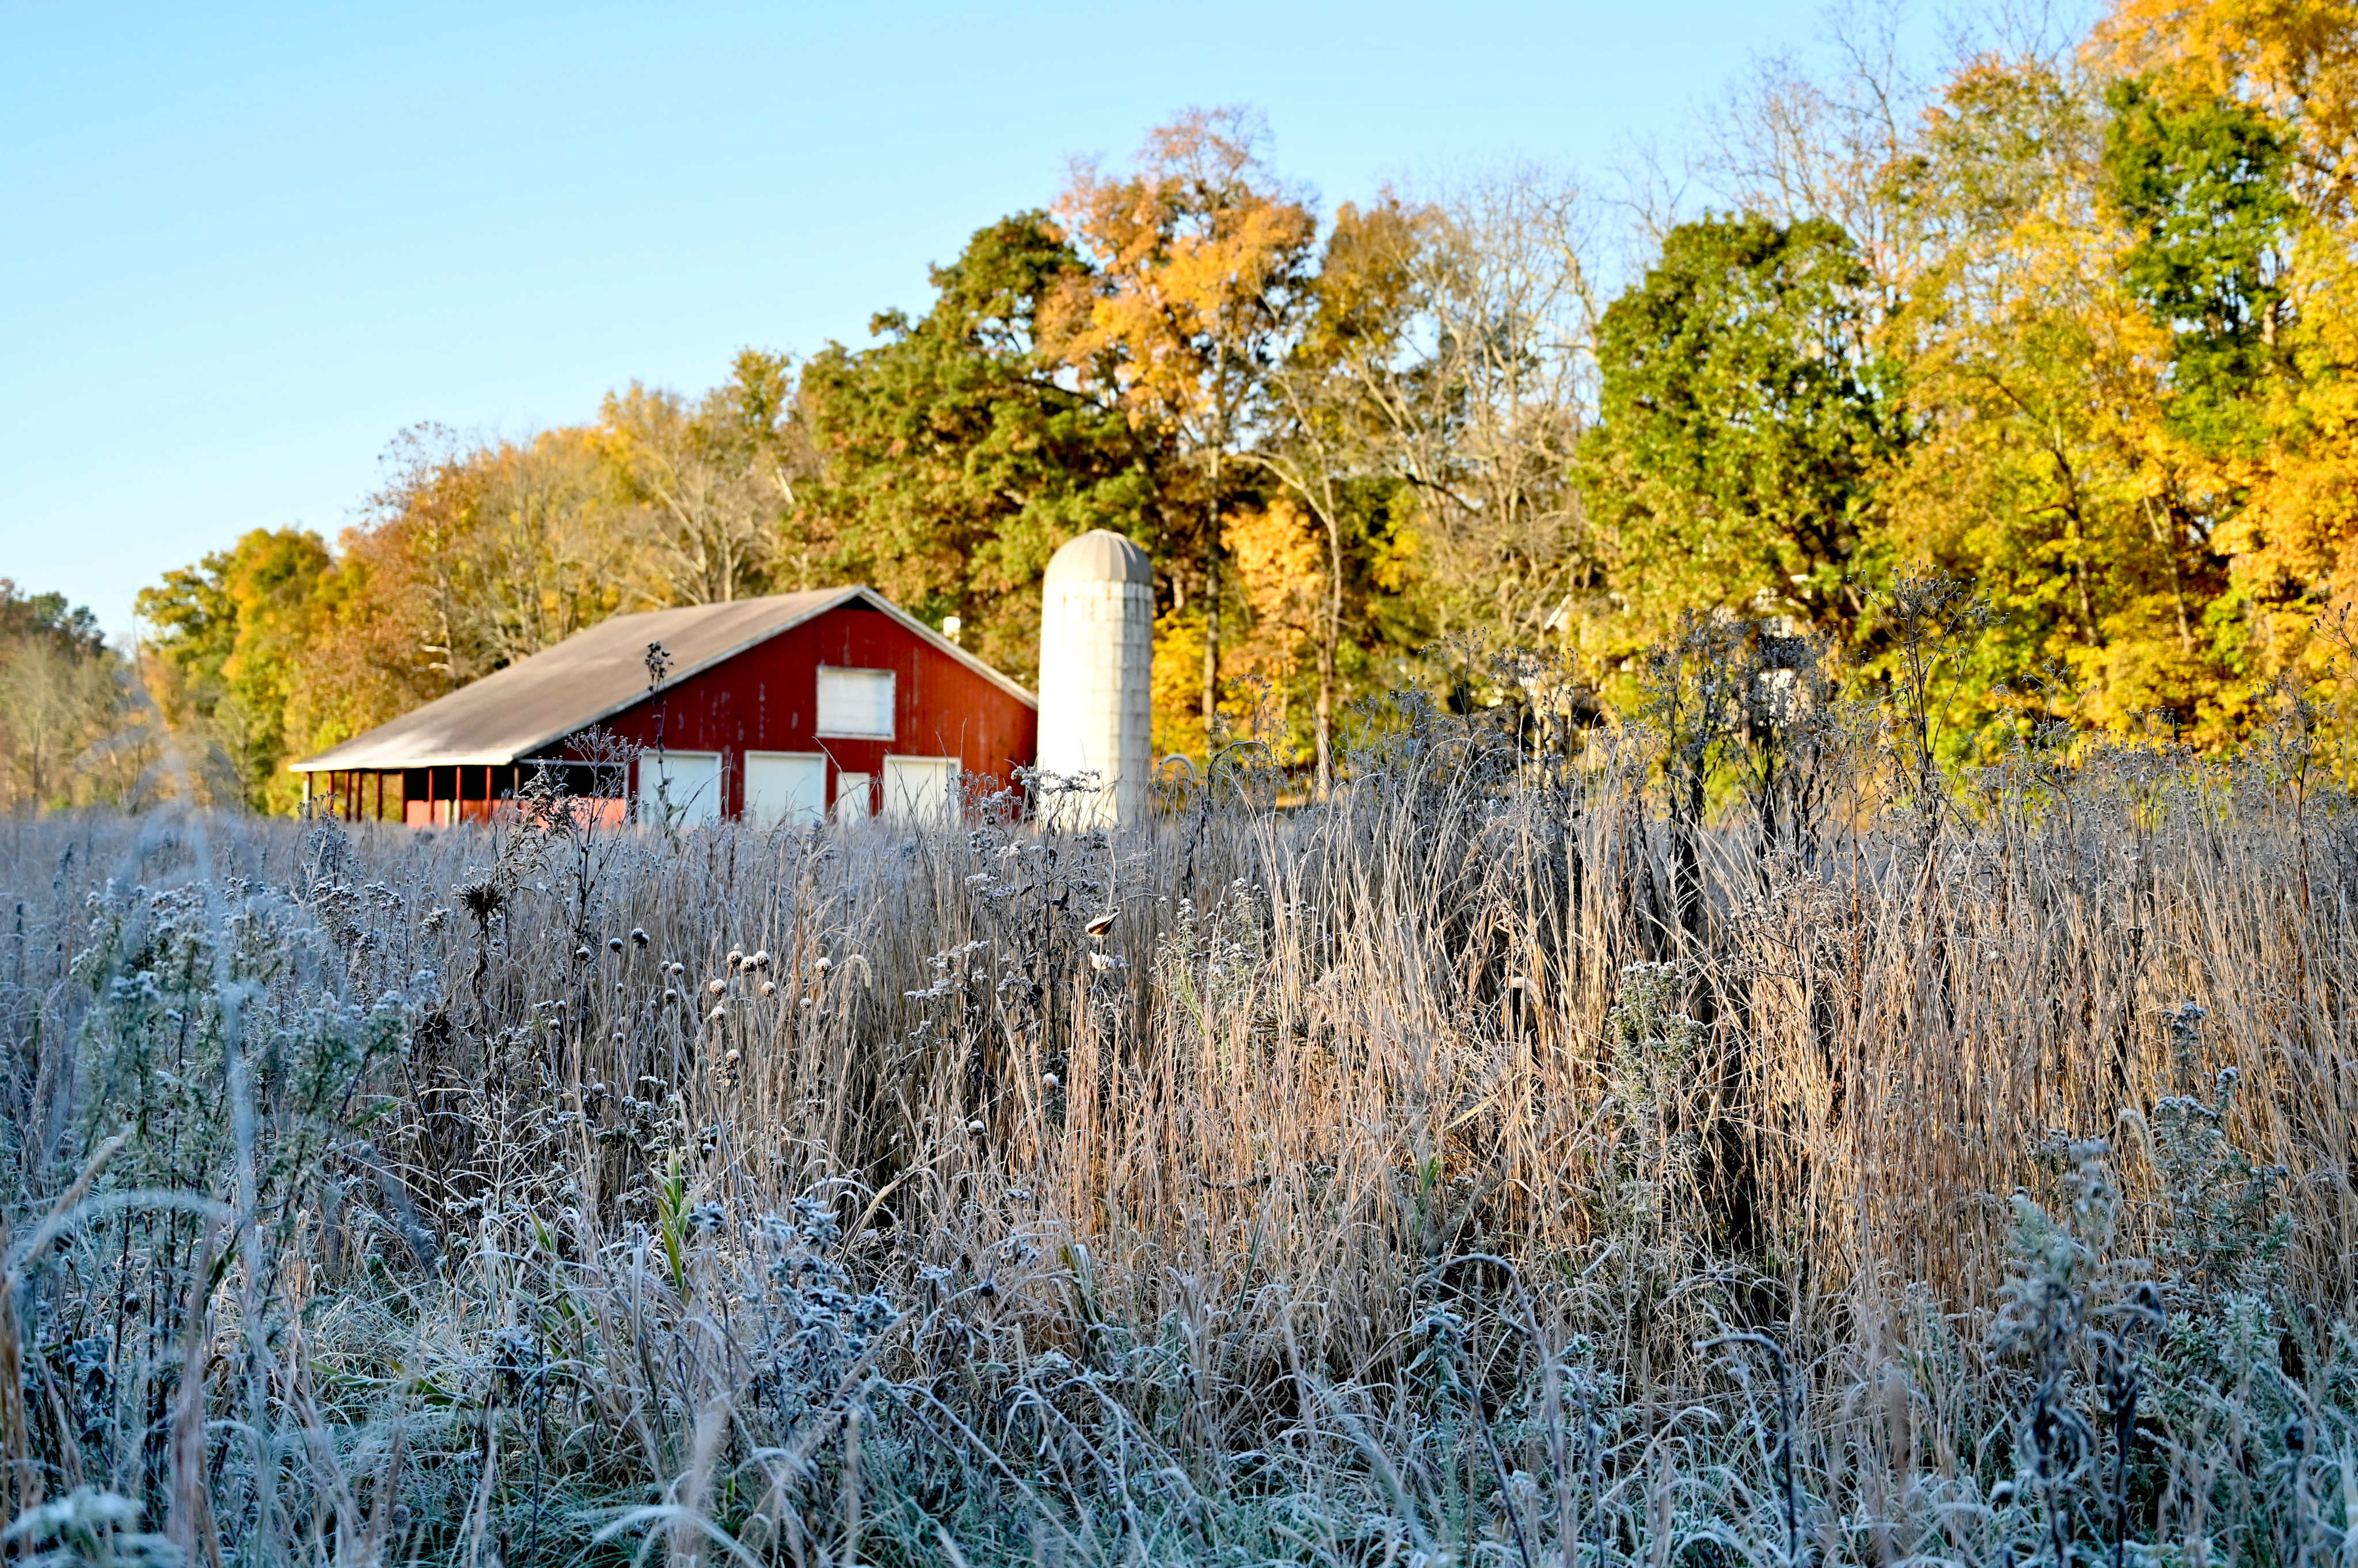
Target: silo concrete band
[1097,678]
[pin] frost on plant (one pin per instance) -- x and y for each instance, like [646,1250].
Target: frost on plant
[1652,1153]
[2221,1232]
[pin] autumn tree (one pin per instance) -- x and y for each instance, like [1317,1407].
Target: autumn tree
[1332,446]
[1483,410]
[2046,468]
[713,483]
[1199,267]
[69,731]
[2235,164]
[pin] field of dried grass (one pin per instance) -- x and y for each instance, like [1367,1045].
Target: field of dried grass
[1707,1149]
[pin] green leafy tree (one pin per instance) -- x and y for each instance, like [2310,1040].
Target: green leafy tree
[1746,417]
[2200,182]
[953,459]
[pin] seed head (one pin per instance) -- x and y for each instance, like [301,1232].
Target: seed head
[736,958]
[1100,924]
[1049,1081]
[976,1126]
[824,964]
[639,934]
[718,987]
[583,953]
[760,960]
[1100,962]
[810,1001]
[769,988]
[719,1015]
[614,944]
[733,1057]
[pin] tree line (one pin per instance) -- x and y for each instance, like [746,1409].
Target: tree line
[2071,319]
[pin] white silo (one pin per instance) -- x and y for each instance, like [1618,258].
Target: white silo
[1097,676]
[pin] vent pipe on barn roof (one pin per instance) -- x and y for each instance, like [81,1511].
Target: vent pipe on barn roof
[1097,678]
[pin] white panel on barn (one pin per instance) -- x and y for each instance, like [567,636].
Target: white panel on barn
[786,787]
[683,786]
[919,789]
[855,704]
[851,797]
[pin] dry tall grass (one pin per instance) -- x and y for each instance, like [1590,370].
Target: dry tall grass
[1492,1163]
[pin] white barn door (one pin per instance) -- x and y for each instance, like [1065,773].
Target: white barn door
[919,789]
[786,787]
[688,783]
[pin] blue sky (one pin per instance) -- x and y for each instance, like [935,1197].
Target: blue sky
[246,246]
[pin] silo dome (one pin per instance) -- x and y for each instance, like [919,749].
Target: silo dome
[1097,676]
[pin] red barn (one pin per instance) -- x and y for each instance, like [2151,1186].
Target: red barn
[791,706]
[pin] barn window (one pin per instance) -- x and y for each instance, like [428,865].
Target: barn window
[855,704]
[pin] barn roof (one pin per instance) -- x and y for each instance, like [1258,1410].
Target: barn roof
[593,674]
